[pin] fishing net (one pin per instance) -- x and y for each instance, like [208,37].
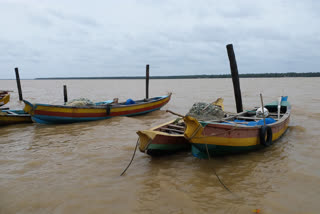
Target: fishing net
[80,102]
[206,111]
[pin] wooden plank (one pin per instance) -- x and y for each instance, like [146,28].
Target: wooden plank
[172,130]
[175,126]
[249,118]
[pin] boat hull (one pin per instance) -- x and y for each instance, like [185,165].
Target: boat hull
[18,116]
[55,114]
[199,150]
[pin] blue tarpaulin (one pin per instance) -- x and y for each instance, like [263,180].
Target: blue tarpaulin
[130,101]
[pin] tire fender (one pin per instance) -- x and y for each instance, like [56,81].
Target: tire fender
[265,135]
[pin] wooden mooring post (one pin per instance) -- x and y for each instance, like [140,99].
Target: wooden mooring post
[235,77]
[147,81]
[18,83]
[65,94]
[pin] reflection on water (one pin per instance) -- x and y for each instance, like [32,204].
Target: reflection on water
[75,168]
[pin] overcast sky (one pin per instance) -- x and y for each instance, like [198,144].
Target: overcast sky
[65,38]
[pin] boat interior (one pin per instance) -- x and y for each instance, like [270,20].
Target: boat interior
[175,127]
[273,112]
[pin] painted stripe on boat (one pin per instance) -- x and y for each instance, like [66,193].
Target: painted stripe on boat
[45,119]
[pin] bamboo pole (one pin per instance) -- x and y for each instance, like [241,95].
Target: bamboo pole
[262,106]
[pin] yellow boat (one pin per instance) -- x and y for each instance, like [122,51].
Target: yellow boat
[167,138]
[238,133]
[164,139]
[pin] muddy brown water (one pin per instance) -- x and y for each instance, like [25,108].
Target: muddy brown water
[75,168]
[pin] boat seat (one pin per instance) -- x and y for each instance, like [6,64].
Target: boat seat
[249,118]
[172,130]
[176,126]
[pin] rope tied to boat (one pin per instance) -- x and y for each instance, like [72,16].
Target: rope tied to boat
[131,158]
[214,171]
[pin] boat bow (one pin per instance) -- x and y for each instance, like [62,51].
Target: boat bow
[193,127]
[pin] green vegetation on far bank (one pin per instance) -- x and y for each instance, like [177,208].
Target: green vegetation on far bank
[264,75]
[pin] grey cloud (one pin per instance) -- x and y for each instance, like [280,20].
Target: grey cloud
[77,19]
[174,38]
[40,20]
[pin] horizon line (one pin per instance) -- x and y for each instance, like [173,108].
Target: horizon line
[194,76]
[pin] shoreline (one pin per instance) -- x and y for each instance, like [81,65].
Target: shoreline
[203,76]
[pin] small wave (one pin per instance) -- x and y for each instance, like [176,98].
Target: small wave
[297,128]
[314,115]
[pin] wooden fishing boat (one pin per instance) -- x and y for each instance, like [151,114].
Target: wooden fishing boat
[238,133]
[164,139]
[8,117]
[4,97]
[169,137]
[53,114]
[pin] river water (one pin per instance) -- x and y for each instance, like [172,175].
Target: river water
[76,168]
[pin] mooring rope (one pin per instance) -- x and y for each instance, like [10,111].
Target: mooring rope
[216,172]
[132,157]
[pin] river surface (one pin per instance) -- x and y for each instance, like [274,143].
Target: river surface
[76,168]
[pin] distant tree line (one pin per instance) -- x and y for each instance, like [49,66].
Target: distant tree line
[262,75]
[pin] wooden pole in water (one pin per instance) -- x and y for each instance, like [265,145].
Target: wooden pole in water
[18,83]
[147,81]
[65,94]
[235,77]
